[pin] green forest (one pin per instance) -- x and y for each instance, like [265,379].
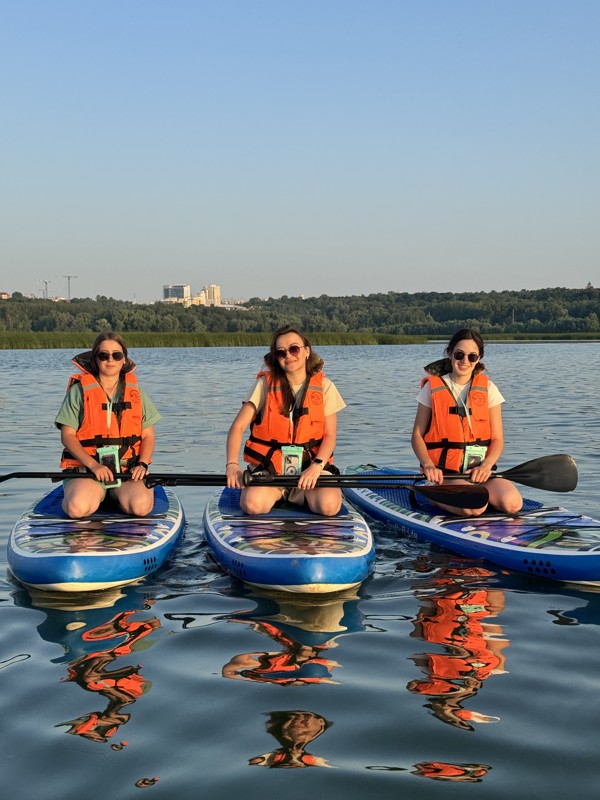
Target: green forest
[377,317]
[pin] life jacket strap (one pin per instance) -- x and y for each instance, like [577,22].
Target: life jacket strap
[446,444]
[272,443]
[118,407]
[121,441]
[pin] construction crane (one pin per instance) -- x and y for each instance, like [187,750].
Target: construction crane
[68,277]
[45,288]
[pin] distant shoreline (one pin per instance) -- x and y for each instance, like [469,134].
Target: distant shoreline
[26,340]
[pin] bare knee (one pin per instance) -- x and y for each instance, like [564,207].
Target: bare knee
[253,503]
[137,504]
[81,498]
[511,505]
[138,507]
[327,505]
[77,508]
[470,512]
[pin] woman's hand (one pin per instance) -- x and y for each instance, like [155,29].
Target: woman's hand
[480,474]
[138,473]
[102,473]
[233,474]
[433,474]
[309,477]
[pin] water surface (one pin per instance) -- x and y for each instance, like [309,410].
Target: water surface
[438,672]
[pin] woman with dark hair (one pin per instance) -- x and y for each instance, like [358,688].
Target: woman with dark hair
[458,426]
[106,424]
[291,412]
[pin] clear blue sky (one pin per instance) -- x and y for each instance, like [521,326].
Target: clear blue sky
[298,147]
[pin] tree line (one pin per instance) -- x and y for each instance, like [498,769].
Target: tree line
[538,311]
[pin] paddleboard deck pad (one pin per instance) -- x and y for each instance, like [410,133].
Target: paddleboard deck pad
[540,540]
[49,551]
[290,548]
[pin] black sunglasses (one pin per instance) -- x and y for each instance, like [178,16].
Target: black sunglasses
[104,355]
[458,355]
[293,350]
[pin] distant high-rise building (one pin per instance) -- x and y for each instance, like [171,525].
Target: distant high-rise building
[213,295]
[179,292]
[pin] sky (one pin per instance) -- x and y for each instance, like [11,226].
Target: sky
[298,147]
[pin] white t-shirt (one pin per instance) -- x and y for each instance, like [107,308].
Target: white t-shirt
[460,392]
[332,399]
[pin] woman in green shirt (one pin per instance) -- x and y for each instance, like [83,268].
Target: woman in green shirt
[105,408]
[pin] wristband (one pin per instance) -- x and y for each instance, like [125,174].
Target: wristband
[142,464]
[318,461]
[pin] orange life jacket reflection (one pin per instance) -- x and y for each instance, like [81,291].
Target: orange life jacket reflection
[271,429]
[452,426]
[122,427]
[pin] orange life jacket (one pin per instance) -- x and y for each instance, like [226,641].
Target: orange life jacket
[125,426]
[271,429]
[449,430]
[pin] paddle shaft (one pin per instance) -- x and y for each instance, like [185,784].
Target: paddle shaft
[555,473]
[463,496]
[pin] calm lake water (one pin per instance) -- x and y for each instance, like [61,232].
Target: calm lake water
[440,677]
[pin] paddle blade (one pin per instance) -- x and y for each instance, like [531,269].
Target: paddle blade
[457,495]
[557,473]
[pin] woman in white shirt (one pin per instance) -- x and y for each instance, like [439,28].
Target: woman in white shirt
[458,425]
[292,413]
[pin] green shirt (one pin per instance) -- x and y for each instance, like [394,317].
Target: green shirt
[71,410]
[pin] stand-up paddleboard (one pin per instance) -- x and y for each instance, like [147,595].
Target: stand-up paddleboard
[290,548]
[49,551]
[548,541]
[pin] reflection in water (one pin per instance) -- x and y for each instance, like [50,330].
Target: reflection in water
[295,665]
[79,622]
[121,687]
[444,771]
[293,730]
[304,628]
[453,617]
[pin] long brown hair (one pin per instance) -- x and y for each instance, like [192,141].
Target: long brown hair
[314,364]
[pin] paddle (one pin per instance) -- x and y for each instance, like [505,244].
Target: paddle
[556,473]
[463,496]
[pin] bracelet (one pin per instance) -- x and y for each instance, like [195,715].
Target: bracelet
[142,464]
[231,462]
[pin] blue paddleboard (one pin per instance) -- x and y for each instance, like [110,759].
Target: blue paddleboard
[49,551]
[290,549]
[542,540]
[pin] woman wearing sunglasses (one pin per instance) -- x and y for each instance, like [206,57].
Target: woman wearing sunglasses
[458,426]
[106,424]
[291,412]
